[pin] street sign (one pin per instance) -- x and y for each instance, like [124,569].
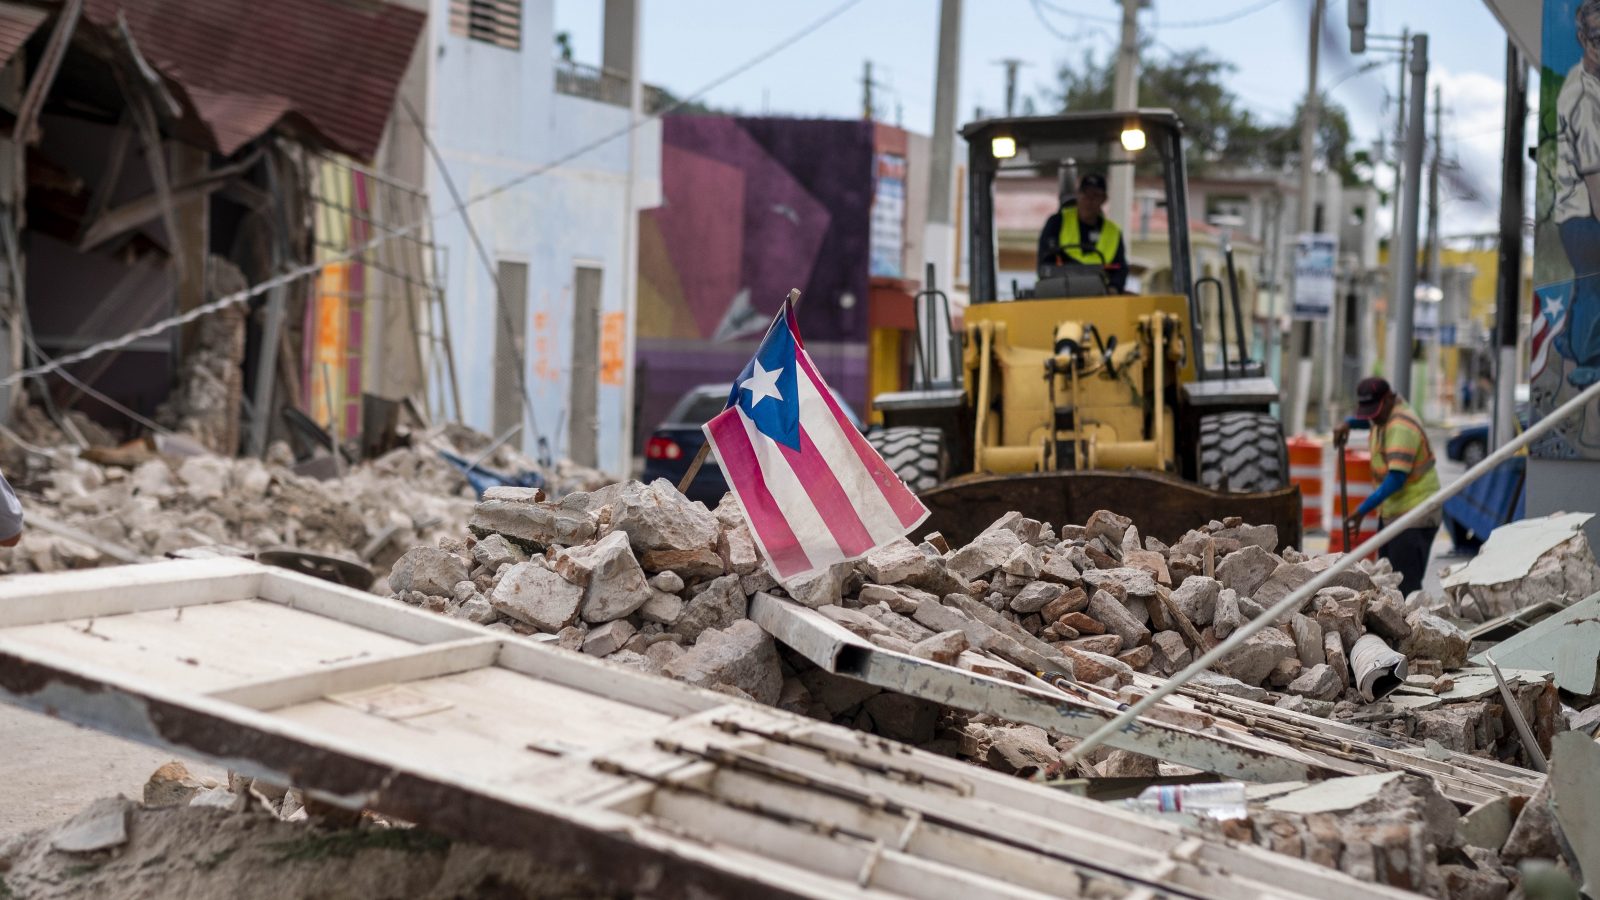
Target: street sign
[1315,256]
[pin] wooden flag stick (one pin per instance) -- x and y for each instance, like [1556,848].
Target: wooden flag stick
[705,448]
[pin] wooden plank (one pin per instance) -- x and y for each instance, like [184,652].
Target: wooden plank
[62,596]
[430,661]
[563,667]
[210,646]
[361,609]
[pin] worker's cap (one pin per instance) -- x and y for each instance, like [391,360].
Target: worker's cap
[1092,180]
[1370,394]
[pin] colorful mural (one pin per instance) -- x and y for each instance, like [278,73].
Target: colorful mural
[751,208]
[1565,351]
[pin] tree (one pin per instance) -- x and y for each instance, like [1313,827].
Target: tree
[1221,131]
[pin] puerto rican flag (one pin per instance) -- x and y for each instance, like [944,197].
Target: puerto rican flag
[813,490]
[1548,320]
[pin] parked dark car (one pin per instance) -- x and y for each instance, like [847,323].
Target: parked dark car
[1470,444]
[673,445]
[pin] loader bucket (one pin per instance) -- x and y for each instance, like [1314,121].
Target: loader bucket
[1163,506]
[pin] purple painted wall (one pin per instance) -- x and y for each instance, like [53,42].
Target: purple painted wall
[751,208]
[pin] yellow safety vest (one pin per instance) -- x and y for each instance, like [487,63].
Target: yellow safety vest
[1072,242]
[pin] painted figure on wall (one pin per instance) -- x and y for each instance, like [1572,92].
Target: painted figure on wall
[1566,325]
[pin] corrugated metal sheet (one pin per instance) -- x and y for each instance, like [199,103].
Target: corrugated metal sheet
[246,64]
[17,24]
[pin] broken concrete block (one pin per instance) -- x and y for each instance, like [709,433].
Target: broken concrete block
[897,562]
[1228,613]
[1020,749]
[534,526]
[1197,598]
[171,785]
[532,594]
[1059,569]
[1307,640]
[901,599]
[1024,562]
[1318,682]
[1106,644]
[1126,764]
[475,609]
[1434,638]
[1284,673]
[1082,623]
[495,551]
[1387,619]
[1246,569]
[1172,653]
[1096,667]
[691,565]
[720,603]
[824,588]
[741,655]
[1134,582]
[900,717]
[1255,659]
[737,547]
[1036,596]
[1545,558]
[669,582]
[662,608]
[1150,561]
[1333,652]
[1107,524]
[1139,657]
[604,640]
[1233,687]
[656,517]
[1118,620]
[101,825]
[945,647]
[987,552]
[429,570]
[1074,600]
[615,586]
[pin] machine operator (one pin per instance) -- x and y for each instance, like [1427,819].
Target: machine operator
[1081,234]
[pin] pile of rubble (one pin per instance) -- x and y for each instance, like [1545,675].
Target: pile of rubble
[640,575]
[107,504]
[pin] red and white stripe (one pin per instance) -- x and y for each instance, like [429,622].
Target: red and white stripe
[832,500]
[1540,344]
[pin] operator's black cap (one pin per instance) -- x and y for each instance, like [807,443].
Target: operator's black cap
[1092,180]
[1370,394]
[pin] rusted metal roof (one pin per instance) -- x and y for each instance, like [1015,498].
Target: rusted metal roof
[17,24]
[246,65]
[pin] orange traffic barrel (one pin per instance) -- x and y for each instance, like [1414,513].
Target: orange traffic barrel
[1305,472]
[1358,481]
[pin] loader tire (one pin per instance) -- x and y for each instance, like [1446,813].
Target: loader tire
[1243,452]
[917,455]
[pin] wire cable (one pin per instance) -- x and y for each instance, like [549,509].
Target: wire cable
[1223,19]
[300,272]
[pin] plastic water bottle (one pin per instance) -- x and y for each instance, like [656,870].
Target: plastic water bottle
[1223,800]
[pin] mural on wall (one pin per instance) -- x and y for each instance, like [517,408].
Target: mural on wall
[1566,320]
[752,207]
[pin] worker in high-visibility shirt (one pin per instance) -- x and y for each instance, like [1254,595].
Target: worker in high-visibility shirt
[1404,471]
[1081,234]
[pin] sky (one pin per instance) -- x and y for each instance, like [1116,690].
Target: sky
[688,43]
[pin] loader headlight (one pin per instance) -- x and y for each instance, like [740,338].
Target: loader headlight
[1133,138]
[1003,146]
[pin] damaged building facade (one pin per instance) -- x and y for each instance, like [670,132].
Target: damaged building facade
[538,277]
[167,155]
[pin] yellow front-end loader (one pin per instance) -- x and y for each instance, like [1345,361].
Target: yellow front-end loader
[1066,397]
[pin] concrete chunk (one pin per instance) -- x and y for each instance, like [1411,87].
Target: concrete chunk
[1197,598]
[741,655]
[1319,682]
[614,584]
[532,525]
[1036,596]
[1118,620]
[604,640]
[718,605]
[534,595]
[1434,638]
[1255,659]
[432,571]
[987,552]
[945,647]
[657,517]
[1246,569]
[1307,640]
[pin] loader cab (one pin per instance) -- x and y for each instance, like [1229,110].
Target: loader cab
[1011,155]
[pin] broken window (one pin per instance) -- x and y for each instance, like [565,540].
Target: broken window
[497,22]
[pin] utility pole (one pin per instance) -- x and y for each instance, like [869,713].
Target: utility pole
[1435,279]
[1508,303]
[1402,311]
[1012,65]
[1300,397]
[866,89]
[1125,96]
[939,235]
[1399,177]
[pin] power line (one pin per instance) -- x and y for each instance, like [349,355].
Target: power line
[1076,14]
[1219,20]
[312,268]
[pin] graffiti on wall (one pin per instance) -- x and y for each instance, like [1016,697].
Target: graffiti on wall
[1565,335]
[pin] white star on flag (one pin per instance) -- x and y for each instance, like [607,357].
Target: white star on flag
[762,384]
